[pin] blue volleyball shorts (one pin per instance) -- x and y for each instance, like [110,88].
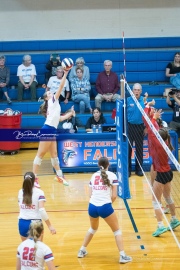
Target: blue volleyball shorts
[100,211]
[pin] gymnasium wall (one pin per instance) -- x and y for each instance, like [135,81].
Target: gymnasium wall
[77,19]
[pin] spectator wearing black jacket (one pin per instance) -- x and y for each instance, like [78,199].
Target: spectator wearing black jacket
[51,66]
[96,119]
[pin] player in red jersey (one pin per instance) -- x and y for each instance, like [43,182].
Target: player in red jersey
[162,182]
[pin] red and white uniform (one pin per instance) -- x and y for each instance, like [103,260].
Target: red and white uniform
[160,157]
[25,253]
[53,112]
[101,194]
[32,211]
[150,132]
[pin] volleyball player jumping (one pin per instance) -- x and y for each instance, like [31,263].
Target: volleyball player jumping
[51,110]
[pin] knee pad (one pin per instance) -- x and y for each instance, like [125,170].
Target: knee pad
[92,231]
[37,160]
[118,232]
[55,161]
[156,205]
[169,200]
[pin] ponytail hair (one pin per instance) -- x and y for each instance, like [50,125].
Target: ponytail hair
[103,164]
[166,137]
[43,108]
[35,230]
[28,185]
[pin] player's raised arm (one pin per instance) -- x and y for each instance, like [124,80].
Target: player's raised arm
[61,86]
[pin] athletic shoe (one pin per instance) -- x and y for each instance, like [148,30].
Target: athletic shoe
[159,231]
[125,259]
[61,180]
[166,210]
[82,254]
[36,183]
[174,223]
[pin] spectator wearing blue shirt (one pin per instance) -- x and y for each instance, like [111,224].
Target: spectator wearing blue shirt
[80,91]
[135,128]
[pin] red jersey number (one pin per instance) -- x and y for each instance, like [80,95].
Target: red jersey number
[28,254]
[98,179]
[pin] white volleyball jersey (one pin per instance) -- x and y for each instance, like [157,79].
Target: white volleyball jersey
[53,112]
[54,84]
[101,194]
[30,212]
[25,253]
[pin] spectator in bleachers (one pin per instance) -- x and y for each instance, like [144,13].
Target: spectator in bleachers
[4,78]
[96,119]
[174,103]
[27,78]
[81,87]
[54,82]
[107,85]
[52,65]
[173,71]
[135,128]
[72,122]
[79,63]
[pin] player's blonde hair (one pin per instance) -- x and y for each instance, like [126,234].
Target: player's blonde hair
[103,163]
[35,230]
[28,185]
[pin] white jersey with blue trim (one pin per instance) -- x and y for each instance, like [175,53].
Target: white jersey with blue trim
[31,211]
[25,253]
[53,112]
[101,194]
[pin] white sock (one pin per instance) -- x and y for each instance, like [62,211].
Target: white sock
[160,224]
[173,218]
[122,253]
[83,248]
[59,173]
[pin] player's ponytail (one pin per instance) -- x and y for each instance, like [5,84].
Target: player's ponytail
[28,185]
[103,165]
[43,108]
[35,230]
[166,137]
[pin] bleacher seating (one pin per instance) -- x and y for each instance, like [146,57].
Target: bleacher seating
[146,60]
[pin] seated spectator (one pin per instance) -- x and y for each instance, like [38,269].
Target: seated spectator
[54,82]
[27,78]
[107,85]
[173,71]
[52,65]
[80,91]
[4,78]
[79,63]
[174,102]
[96,119]
[72,122]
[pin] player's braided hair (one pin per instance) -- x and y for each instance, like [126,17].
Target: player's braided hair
[103,164]
[28,185]
[43,108]
[166,137]
[35,230]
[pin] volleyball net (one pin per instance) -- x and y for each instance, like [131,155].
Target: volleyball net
[160,147]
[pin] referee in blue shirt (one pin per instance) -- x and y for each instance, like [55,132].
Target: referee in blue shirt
[135,128]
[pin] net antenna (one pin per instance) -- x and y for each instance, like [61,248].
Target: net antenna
[122,84]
